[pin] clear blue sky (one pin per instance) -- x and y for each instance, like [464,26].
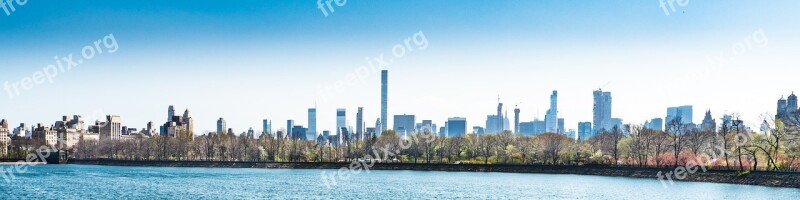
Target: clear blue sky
[249,60]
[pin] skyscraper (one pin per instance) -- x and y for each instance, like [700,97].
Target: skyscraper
[709,124]
[266,125]
[360,123]
[493,124]
[602,110]
[684,112]
[221,126]
[341,120]
[427,126]
[170,113]
[792,102]
[456,126]
[516,120]
[312,122]
[655,124]
[499,125]
[551,118]
[561,129]
[378,126]
[584,130]
[289,128]
[404,124]
[384,98]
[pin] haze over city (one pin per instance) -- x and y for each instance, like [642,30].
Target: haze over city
[266,60]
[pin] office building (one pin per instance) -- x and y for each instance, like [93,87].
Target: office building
[601,110]
[289,126]
[312,123]
[456,126]
[655,124]
[477,130]
[341,120]
[561,129]
[682,112]
[492,125]
[427,126]
[404,125]
[584,130]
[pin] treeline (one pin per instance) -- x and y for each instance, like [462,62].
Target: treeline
[728,147]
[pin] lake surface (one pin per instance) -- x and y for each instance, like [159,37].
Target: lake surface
[111,182]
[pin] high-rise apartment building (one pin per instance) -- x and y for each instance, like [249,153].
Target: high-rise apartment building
[112,129]
[516,120]
[312,122]
[384,99]
[266,126]
[360,123]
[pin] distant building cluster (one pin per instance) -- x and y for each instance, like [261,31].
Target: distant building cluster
[70,131]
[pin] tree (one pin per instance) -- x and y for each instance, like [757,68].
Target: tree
[676,131]
[552,146]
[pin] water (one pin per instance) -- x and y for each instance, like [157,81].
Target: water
[111,182]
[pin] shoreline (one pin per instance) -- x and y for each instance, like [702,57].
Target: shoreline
[771,179]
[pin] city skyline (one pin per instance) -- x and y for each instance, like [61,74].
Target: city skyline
[239,75]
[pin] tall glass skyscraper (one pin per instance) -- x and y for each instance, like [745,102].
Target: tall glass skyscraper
[404,124]
[684,112]
[360,123]
[601,110]
[267,126]
[312,122]
[456,126]
[551,118]
[384,99]
[584,130]
[341,120]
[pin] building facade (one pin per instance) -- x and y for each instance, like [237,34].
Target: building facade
[601,110]
[404,125]
[456,126]
[112,129]
[384,100]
